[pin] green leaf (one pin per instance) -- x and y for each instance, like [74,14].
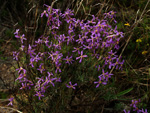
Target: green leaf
[125,92]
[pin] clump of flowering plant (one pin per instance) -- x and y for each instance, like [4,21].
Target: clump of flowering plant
[135,108]
[66,57]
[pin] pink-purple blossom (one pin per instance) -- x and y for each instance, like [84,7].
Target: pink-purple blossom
[71,86]
[81,57]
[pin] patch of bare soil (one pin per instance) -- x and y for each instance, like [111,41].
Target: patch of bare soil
[7,76]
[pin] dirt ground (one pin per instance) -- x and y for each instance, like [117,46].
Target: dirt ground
[7,72]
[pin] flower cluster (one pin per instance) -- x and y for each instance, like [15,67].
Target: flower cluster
[48,56]
[134,105]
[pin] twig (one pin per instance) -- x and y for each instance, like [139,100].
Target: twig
[11,109]
[79,7]
[70,4]
[84,9]
[102,108]
[136,22]
[36,27]
[88,13]
[140,84]
[132,68]
[31,9]
[99,12]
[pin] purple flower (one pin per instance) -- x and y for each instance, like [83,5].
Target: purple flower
[31,62]
[58,80]
[70,39]
[81,57]
[31,51]
[103,73]
[107,75]
[44,12]
[85,26]
[58,67]
[11,100]
[96,55]
[109,61]
[71,86]
[86,47]
[80,40]
[21,76]
[68,13]
[57,46]
[101,25]
[68,59]
[51,81]
[37,58]
[41,54]
[71,30]
[126,111]
[22,38]
[29,84]
[49,74]
[112,53]
[16,33]
[39,94]
[51,55]
[77,49]
[111,64]
[55,34]
[137,110]
[144,111]
[119,64]
[39,41]
[40,80]
[24,86]
[48,7]
[22,47]
[92,21]
[46,81]
[117,43]
[98,67]
[41,68]
[43,88]
[21,69]
[61,38]
[134,103]
[110,14]
[46,41]
[105,44]
[55,56]
[100,81]
[15,55]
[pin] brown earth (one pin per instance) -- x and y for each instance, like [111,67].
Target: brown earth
[7,72]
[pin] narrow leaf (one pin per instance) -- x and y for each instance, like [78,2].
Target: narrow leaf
[125,92]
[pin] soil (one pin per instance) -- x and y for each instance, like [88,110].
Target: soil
[7,72]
